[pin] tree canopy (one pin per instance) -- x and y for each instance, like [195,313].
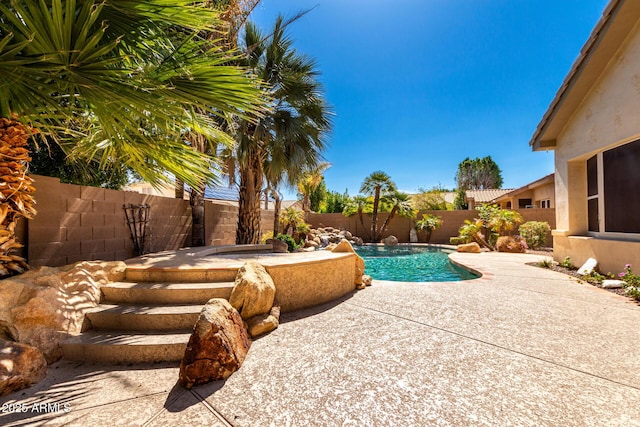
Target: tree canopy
[478,174]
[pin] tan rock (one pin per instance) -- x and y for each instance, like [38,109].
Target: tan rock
[472,247]
[390,241]
[262,324]
[510,244]
[217,347]
[21,366]
[345,246]
[43,305]
[278,245]
[253,292]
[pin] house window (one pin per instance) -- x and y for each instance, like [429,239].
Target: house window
[622,188]
[613,190]
[524,203]
[545,204]
[592,194]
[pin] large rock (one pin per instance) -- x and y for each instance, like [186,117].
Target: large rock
[278,245]
[264,323]
[472,247]
[21,366]
[42,306]
[217,347]
[511,244]
[254,290]
[390,241]
[345,246]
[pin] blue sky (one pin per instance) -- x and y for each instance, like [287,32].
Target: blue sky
[418,85]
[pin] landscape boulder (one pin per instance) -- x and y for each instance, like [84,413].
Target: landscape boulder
[613,284]
[588,267]
[472,247]
[390,241]
[264,323]
[511,244]
[217,347]
[278,245]
[253,292]
[345,246]
[42,306]
[21,366]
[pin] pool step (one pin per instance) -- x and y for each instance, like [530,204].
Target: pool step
[176,275]
[144,318]
[127,346]
[165,293]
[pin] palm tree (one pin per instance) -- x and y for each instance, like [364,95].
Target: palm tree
[308,182]
[376,185]
[400,205]
[121,82]
[428,223]
[294,129]
[505,221]
[122,79]
[358,205]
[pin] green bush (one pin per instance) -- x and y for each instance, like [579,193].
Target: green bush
[535,233]
[566,263]
[291,244]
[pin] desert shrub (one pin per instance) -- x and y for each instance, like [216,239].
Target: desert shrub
[458,240]
[266,236]
[566,263]
[545,263]
[291,244]
[632,282]
[535,233]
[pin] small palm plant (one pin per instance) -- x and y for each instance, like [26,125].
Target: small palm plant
[428,224]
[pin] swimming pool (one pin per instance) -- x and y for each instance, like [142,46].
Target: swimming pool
[411,264]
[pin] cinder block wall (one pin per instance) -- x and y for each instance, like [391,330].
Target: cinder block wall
[400,227]
[76,223]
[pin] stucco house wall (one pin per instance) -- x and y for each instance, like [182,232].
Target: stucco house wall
[598,109]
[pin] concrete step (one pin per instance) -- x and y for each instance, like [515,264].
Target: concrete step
[144,318]
[126,347]
[165,293]
[178,275]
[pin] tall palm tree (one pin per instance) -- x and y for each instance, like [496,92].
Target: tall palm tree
[292,134]
[377,184]
[309,180]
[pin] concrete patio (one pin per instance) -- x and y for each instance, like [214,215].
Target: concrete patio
[520,346]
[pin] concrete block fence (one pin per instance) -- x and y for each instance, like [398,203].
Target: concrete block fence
[76,223]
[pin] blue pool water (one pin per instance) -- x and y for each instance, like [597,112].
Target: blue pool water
[411,264]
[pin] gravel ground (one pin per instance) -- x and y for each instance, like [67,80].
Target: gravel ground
[574,272]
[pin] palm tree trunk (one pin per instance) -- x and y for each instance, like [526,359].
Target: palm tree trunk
[388,220]
[196,200]
[364,229]
[179,189]
[248,231]
[375,236]
[276,215]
